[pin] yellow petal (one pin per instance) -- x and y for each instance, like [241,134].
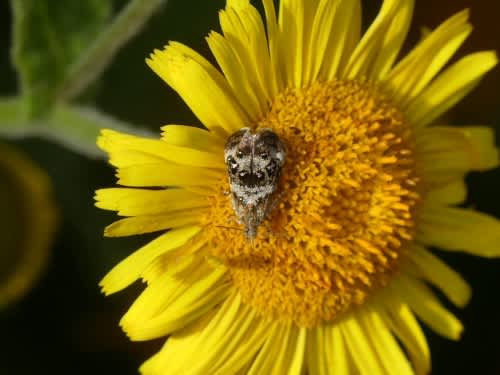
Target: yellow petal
[416,70]
[292,29]
[482,139]
[175,300]
[398,316]
[339,362]
[393,40]
[316,354]
[353,34]
[136,202]
[181,266]
[304,13]
[244,352]
[129,269]
[426,265]
[224,345]
[459,229]
[234,69]
[269,351]
[334,26]
[191,137]
[365,56]
[326,352]
[245,39]
[237,3]
[449,88]
[454,192]
[358,343]
[296,351]
[383,342]
[282,353]
[200,85]
[427,307]
[273,37]
[183,341]
[112,141]
[445,154]
[153,223]
[167,174]
[166,263]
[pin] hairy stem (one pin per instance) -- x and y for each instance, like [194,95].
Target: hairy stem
[100,54]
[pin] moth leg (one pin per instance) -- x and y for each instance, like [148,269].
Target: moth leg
[274,200]
[233,220]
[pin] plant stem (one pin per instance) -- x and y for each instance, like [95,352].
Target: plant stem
[75,128]
[100,54]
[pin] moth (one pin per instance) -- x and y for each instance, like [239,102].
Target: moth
[254,161]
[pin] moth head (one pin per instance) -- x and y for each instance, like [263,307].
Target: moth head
[254,159]
[268,146]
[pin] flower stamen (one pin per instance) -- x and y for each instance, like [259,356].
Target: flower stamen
[347,206]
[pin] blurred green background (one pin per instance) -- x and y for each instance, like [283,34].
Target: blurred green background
[64,325]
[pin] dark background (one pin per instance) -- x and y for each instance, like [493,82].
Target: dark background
[64,325]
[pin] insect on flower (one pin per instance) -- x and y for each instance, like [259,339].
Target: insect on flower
[254,162]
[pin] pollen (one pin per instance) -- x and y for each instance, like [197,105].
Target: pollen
[346,206]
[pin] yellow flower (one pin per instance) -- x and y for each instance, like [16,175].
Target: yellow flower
[340,269]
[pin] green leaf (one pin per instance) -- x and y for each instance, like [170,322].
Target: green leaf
[12,123]
[48,37]
[75,128]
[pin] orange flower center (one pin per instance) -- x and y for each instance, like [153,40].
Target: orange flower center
[346,210]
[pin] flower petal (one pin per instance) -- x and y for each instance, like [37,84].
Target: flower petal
[393,40]
[449,88]
[357,341]
[129,269]
[200,85]
[112,141]
[427,307]
[316,353]
[246,353]
[338,362]
[247,64]
[153,223]
[398,316]
[483,140]
[273,37]
[182,341]
[335,24]
[325,351]
[136,202]
[189,290]
[192,137]
[412,74]
[240,81]
[283,352]
[426,265]
[292,23]
[454,192]
[386,347]
[380,44]
[166,174]
[445,154]
[459,229]
[163,263]
[222,345]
